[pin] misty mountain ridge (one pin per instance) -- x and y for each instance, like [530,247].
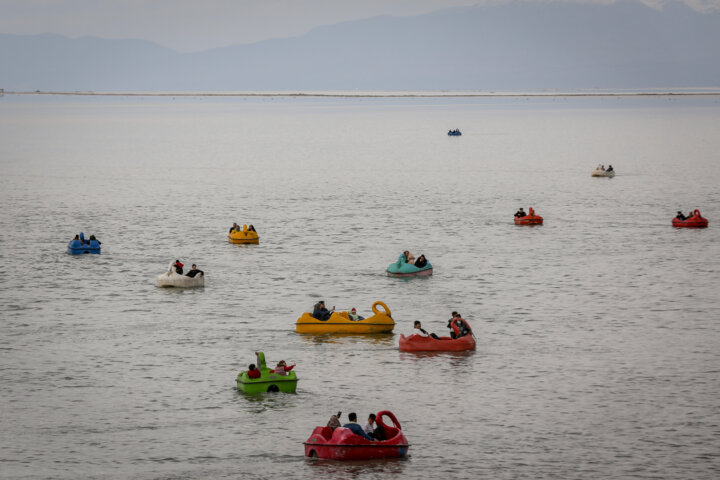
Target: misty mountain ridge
[515,46]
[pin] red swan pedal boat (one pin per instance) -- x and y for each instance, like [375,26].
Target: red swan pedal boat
[343,444]
[694,221]
[418,343]
[529,219]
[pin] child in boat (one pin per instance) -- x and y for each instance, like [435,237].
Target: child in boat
[178,267]
[253,372]
[282,368]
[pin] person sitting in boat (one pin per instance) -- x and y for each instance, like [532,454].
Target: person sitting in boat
[92,237]
[369,427]
[253,371]
[458,326]
[609,169]
[320,312]
[235,227]
[251,228]
[680,216]
[532,212]
[373,429]
[418,330]
[355,427]
[334,421]
[409,258]
[77,237]
[281,368]
[520,213]
[194,271]
[421,261]
[178,267]
[354,315]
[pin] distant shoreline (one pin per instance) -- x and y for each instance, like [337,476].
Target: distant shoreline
[699,93]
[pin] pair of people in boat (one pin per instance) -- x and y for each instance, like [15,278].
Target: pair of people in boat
[256,371]
[371,431]
[521,213]
[458,328]
[236,228]
[457,130]
[602,167]
[86,242]
[420,262]
[680,215]
[192,273]
[323,314]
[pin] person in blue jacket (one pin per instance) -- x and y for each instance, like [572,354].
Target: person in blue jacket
[356,428]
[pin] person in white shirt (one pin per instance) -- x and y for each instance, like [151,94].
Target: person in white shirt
[420,331]
[369,427]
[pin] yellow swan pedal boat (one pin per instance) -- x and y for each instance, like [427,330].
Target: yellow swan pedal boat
[244,237]
[339,322]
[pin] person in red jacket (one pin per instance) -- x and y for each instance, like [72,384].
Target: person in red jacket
[253,372]
[282,368]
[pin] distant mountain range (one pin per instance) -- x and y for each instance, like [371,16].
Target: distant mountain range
[507,47]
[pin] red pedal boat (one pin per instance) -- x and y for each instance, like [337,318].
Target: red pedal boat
[343,444]
[529,219]
[694,221]
[418,343]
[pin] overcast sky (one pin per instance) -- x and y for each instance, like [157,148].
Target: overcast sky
[191,25]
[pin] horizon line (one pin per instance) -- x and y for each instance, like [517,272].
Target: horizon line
[377,94]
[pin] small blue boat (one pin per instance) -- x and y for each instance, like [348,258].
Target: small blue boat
[454,133]
[403,269]
[80,246]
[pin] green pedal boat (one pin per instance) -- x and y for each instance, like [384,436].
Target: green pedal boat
[268,382]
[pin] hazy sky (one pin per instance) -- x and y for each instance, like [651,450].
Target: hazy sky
[190,25]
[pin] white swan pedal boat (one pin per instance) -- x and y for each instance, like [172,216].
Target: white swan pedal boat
[599,172]
[173,279]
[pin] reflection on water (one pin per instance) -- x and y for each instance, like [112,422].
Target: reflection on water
[357,468]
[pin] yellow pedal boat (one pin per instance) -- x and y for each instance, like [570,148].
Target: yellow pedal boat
[244,237]
[339,322]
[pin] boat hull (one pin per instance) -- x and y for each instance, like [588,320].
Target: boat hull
[603,173]
[404,269]
[174,280]
[419,273]
[76,247]
[529,220]
[268,382]
[417,343]
[339,322]
[244,238]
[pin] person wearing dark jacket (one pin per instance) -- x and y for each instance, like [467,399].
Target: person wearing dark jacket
[194,271]
[320,312]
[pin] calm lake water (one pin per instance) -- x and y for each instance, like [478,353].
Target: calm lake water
[598,339]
